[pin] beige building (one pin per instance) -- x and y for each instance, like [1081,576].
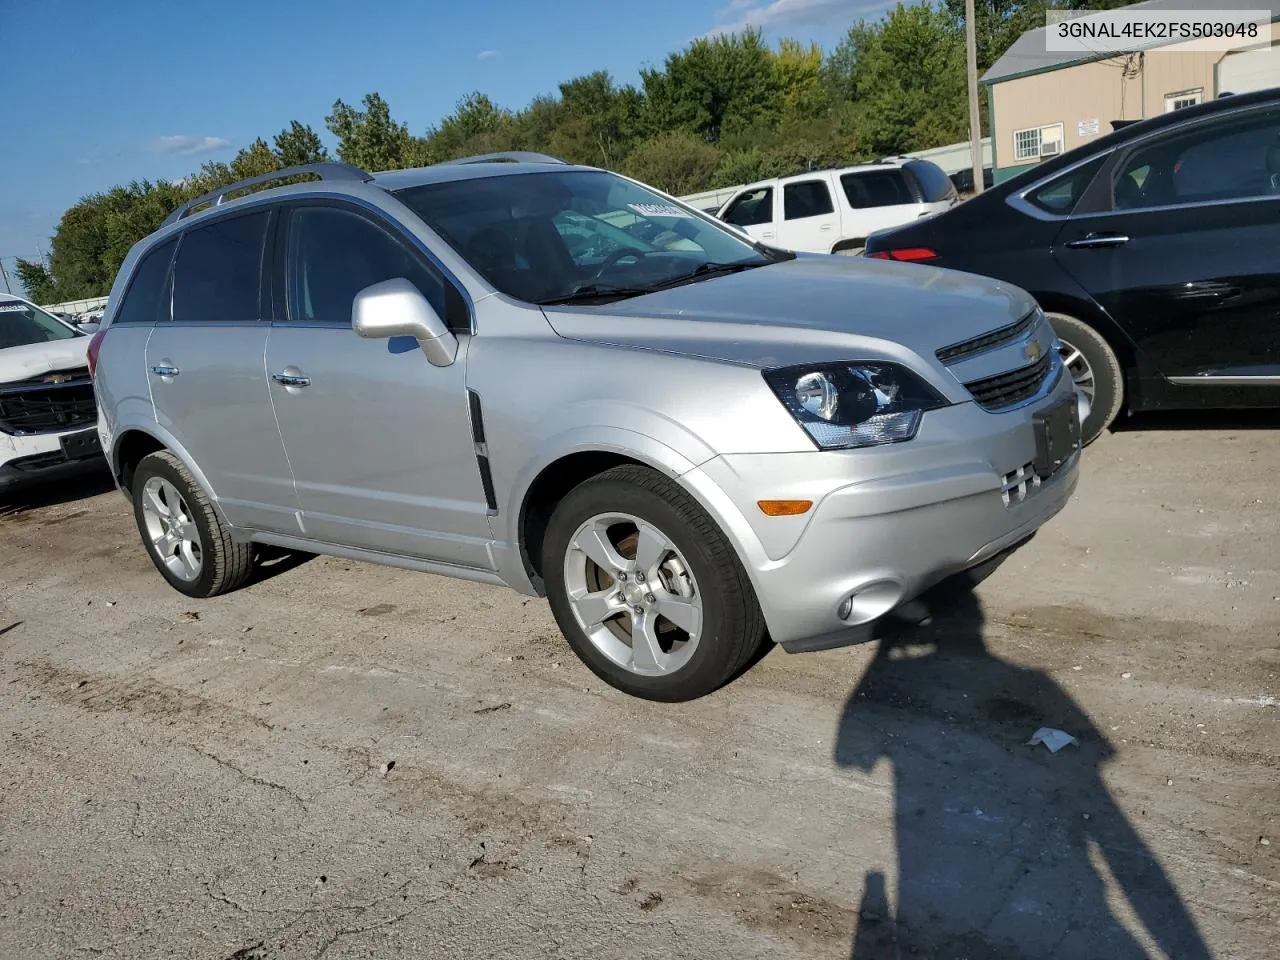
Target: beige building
[1043,103]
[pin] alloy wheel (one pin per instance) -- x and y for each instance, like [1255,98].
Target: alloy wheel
[171,530]
[633,594]
[1082,377]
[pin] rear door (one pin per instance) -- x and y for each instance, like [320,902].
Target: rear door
[937,191]
[379,439]
[205,366]
[752,211]
[879,199]
[809,221]
[1186,255]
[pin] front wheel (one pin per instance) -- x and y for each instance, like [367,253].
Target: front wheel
[1095,372]
[647,590]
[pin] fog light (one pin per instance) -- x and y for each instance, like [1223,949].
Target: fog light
[870,601]
[846,607]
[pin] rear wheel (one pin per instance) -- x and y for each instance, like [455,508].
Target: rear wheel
[184,536]
[1095,371]
[647,590]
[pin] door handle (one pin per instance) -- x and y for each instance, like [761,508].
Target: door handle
[766,235]
[1090,240]
[291,380]
[164,370]
[825,226]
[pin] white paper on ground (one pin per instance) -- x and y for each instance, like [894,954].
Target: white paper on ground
[1055,740]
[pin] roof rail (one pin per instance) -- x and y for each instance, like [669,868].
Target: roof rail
[510,156]
[329,170]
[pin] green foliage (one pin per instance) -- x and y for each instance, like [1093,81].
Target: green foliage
[720,112]
[36,280]
[679,162]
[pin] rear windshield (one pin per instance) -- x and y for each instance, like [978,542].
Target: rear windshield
[22,325]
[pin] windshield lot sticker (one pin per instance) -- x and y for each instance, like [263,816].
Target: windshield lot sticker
[658,210]
[12,308]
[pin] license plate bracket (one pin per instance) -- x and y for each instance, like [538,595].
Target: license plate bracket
[81,445]
[1057,433]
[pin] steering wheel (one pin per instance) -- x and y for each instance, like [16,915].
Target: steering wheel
[617,255]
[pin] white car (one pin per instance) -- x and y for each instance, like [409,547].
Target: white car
[48,414]
[834,211]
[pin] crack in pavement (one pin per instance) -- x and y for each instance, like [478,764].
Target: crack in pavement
[251,778]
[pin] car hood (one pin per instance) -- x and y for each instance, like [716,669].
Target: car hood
[806,309]
[33,359]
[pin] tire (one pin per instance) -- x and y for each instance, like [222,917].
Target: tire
[853,249]
[217,564]
[1094,367]
[637,508]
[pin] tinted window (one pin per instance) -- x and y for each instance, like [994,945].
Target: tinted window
[1060,196]
[810,198]
[1234,159]
[22,324]
[334,254]
[751,209]
[147,290]
[218,274]
[877,188]
[935,184]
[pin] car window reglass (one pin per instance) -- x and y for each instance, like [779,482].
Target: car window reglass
[217,278]
[937,186]
[751,209]
[334,254]
[1060,196]
[22,324]
[877,188]
[1233,159]
[144,300]
[808,198]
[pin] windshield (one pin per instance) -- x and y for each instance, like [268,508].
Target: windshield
[22,324]
[580,234]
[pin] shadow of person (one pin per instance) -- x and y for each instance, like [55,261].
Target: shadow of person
[1004,850]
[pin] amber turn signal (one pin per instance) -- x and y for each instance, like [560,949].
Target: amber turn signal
[784,508]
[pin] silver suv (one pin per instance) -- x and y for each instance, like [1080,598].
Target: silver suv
[555,378]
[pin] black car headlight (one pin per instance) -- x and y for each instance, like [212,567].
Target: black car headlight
[855,404]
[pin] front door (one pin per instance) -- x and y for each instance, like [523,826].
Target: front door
[1186,258]
[379,440]
[207,379]
[752,212]
[809,222]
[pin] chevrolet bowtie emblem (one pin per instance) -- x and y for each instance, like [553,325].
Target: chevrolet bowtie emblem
[1032,351]
[56,378]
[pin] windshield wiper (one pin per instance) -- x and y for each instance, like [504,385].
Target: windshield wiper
[710,269]
[595,291]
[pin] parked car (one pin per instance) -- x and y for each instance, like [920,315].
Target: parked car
[688,443]
[1153,250]
[47,409]
[833,211]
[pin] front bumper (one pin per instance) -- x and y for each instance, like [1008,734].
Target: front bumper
[887,522]
[40,457]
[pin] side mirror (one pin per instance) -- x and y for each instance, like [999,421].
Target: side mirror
[396,308]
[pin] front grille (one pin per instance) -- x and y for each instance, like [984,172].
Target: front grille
[50,403]
[967,348]
[1019,484]
[1010,388]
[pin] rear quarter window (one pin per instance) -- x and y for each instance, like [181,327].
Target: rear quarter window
[144,300]
[934,183]
[877,188]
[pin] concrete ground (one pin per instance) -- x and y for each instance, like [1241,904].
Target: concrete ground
[350,761]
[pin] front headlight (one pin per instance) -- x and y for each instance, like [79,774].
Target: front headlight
[855,404]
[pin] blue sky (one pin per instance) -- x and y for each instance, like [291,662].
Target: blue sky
[97,93]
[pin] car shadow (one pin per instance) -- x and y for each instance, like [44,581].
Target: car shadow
[92,480]
[1199,420]
[1004,850]
[270,562]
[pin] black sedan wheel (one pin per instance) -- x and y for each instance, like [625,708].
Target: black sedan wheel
[1095,371]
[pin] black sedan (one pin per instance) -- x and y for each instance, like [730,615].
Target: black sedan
[1155,251]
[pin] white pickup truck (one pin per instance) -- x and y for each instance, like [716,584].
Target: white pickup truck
[834,211]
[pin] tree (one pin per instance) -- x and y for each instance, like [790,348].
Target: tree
[713,87]
[37,281]
[298,144]
[678,163]
[369,138]
[477,125]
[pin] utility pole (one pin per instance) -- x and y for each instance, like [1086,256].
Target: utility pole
[4,273]
[975,122]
